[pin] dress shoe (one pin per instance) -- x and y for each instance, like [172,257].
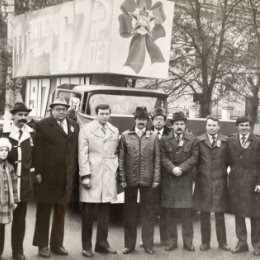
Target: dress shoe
[59,251]
[105,250]
[204,247]
[256,252]
[87,253]
[19,257]
[171,247]
[224,247]
[127,251]
[44,252]
[189,247]
[239,249]
[148,250]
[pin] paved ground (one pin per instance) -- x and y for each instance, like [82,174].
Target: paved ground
[116,239]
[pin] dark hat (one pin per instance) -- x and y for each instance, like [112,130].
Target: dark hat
[59,101]
[20,107]
[178,116]
[158,111]
[141,112]
[243,119]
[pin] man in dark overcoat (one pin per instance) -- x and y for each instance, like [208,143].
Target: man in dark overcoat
[158,116]
[244,184]
[56,161]
[21,137]
[179,155]
[211,193]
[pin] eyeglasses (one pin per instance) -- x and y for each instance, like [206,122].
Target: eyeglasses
[61,110]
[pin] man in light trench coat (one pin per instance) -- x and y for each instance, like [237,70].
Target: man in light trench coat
[211,192]
[244,184]
[98,163]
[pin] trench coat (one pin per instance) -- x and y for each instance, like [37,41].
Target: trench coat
[211,192]
[244,176]
[177,191]
[56,159]
[21,157]
[98,160]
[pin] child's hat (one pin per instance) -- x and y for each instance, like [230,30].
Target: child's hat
[4,142]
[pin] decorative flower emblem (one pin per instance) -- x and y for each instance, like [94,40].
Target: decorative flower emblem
[143,22]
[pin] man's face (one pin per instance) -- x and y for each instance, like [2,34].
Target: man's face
[179,127]
[212,127]
[103,116]
[59,112]
[3,153]
[20,118]
[158,122]
[141,123]
[244,128]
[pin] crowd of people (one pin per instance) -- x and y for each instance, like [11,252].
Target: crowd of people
[50,161]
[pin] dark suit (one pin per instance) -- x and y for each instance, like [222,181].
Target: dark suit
[243,177]
[161,211]
[56,161]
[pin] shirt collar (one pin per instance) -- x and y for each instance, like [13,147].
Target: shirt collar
[17,129]
[137,130]
[211,136]
[178,136]
[246,136]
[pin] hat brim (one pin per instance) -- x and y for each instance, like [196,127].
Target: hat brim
[175,120]
[13,111]
[59,104]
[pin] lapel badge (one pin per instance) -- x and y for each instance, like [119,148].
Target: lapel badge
[246,145]
[72,129]
[218,143]
[181,143]
[31,141]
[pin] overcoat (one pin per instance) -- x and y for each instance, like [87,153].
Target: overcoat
[98,160]
[244,176]
[177,191]
[211,193]
[56,159]
[21,157]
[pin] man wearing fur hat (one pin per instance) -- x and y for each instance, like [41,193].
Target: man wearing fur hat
[159,117]
[139,169]
[56,166]
[244,184]
[179,154]
[21,137]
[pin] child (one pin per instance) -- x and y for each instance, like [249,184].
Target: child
[8,190]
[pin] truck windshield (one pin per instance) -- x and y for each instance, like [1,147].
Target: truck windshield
[123,104]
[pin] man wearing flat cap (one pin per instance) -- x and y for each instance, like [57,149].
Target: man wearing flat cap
[244,184]
[158,116]
[179,154]
[139,169]
[21,137]
[56,169]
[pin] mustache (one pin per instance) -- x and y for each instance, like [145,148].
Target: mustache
[22,121]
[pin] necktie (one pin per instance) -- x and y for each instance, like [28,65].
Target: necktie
[20,133]
[243,140]
[177,138]
[213,140]
[159,134]
[104,129]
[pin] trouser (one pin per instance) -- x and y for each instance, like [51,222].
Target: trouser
[42,225]
[161,212]
[2,238]
[18,227]
[103,210]
[206,228]
[241,231]
[187,227]
[130,215]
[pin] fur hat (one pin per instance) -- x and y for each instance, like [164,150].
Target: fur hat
[158,111]
[20,107]
[4,142]
[59,101]
[178,116]
[141,112]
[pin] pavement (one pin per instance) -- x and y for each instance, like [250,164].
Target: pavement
[116,239]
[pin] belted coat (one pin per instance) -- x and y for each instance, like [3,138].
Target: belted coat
[211,192]
[177,191]
[98,160]
[56,159]
[21,158]
[244,176]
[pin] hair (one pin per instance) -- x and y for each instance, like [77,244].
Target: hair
[103,107]
[4,142]
[213,118]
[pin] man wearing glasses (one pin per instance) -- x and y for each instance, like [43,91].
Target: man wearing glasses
[21,138]
[56,168]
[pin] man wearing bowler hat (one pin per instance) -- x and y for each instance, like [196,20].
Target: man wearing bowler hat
[56,171]
[179,154]
[139,169]
[21,137]
[244,184]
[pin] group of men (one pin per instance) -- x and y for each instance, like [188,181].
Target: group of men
[160,163]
